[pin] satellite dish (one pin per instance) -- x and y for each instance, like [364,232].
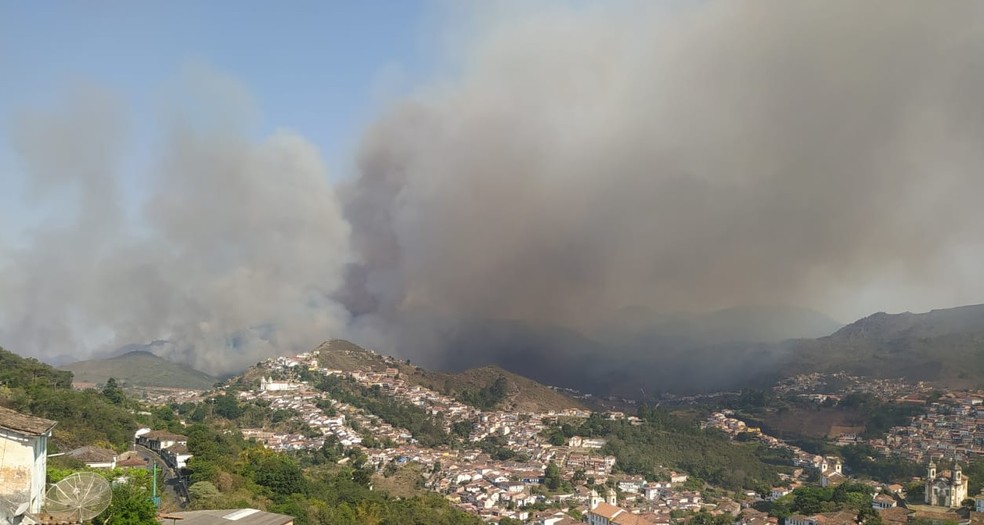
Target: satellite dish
[22,508]
[11,510]
[81,496]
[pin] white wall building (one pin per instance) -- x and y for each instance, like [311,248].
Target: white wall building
[269,385]
[23,458]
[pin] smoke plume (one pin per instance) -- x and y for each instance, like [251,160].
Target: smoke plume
[231,258]
[728,153]
[578,161]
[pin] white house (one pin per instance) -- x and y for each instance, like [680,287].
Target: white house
[979,502]
[632,484]
[24,453]
[883,501]
[677,477]
[176,456]
[158,440]
[778,492]
[799,519]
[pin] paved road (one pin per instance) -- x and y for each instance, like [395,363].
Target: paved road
[173,483]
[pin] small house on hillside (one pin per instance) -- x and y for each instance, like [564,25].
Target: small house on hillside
[158,440]
[176,456]
[94,457]
[24,453]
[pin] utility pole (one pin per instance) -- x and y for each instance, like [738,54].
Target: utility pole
[154,496]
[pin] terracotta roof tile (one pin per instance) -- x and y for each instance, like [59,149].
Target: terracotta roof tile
[23,423]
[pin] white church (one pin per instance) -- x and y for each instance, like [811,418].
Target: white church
[947,489]
[269,385]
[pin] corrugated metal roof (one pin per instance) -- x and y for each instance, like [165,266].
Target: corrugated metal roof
[230,517]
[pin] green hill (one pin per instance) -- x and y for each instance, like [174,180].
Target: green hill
[140,369]
[476,385]
[471,386]
[84,418]
[23,372]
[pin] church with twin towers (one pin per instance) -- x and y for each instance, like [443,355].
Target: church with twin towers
[947,488]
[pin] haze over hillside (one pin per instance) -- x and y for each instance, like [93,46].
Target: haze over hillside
[945,346]
[942,345]
[552,164]
[141,369]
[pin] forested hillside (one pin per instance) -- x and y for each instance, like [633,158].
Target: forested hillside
[664,440]
[84,417]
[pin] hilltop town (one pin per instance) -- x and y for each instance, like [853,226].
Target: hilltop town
[502,461]
[509,465]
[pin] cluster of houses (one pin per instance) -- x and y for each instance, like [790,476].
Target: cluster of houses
[821,387]
[494,488]
[305,403]
[492,495]
[952,428]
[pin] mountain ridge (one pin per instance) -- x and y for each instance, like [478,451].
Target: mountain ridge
[140,368]
[944,345]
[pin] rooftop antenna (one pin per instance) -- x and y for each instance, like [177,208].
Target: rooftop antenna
[81,497]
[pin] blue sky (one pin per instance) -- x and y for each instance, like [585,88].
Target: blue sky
[319,68]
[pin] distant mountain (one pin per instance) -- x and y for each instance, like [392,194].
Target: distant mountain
[141,369]
[639,353]
[945,346]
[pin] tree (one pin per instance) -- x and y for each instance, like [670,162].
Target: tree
[363,477]
[131,505]
[227,406]
[203,492]
[551,476]
[281,475]
[113,393]
[369,513]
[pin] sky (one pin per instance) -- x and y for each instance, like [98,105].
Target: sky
[244,178]
[319,68]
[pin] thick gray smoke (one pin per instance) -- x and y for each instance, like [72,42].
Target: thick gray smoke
[231,258]
[580,160]
[728,153]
